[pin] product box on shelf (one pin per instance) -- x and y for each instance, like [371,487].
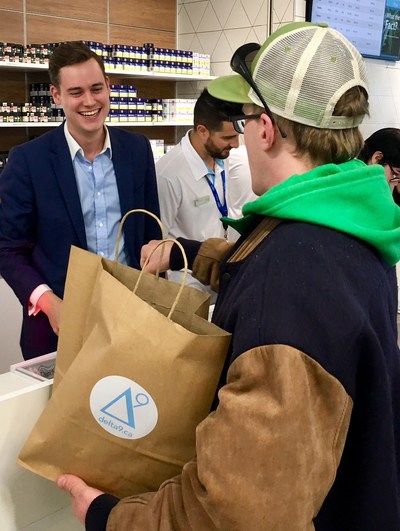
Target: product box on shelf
[118,57]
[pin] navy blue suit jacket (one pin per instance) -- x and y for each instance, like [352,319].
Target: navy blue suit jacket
[41,217]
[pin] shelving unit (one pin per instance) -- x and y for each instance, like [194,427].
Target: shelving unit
[26,67]
[24,125]
[21,74]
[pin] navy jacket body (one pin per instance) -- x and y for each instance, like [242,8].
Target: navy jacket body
[41,217]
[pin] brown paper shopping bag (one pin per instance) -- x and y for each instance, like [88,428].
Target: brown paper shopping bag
[124,415]
[83,268]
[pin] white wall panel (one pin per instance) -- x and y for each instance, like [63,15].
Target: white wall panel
[218,27]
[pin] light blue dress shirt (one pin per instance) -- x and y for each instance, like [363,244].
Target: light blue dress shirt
[98,192]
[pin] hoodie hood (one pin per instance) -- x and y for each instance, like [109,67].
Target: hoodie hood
[351,197]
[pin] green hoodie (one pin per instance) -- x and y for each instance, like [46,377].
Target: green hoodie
[351,197]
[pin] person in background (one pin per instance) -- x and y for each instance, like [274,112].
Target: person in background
[383,147]
[195,185]
[71,186]
[306,432]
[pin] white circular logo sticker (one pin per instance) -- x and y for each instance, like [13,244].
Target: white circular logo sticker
[123,408]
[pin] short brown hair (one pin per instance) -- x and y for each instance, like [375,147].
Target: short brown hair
[212,112]
[68,54]
[325,146]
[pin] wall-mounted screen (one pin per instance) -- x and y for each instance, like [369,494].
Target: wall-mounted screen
[373,26]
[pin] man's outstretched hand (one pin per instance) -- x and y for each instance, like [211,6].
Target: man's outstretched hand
[158,257]
[81,494]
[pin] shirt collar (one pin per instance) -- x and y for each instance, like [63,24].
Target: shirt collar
[219,166]
[75,148]
[196,163]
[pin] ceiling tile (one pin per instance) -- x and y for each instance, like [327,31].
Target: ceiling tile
[222,69]
[253,9]
[261,33]
[209,40]
[238,17]
[236,37]
[219,27]
[196,44]
[209,21]
[252,36]
[184,23]
[282,11]
[185,41]
[263,16]
[195,12]
[223,9]
[275,26]
[222,50]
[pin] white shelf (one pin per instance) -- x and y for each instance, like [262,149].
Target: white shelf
[26,67]
[118,124]
[6,65]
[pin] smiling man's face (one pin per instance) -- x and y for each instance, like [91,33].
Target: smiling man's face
[84,94]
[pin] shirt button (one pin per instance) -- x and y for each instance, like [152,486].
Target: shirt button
[226,277]
[100,224]
[98,193]
[101,253]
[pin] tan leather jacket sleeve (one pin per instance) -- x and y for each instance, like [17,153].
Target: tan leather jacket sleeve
[266,458]
[208,260]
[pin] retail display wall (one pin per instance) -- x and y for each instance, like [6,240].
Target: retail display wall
[128,22]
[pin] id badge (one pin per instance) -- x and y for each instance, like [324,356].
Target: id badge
[201,201]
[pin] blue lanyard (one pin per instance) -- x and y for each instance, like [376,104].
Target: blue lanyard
[222,207]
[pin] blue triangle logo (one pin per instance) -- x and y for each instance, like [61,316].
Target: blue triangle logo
[121,408]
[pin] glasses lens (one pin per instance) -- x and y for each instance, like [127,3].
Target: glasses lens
[238,126]
[240,121]
[242,58]
[250,56]
[240,63]
[395,173]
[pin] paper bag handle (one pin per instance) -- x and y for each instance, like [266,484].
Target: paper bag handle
[121,225]
[134,211]
[185,272]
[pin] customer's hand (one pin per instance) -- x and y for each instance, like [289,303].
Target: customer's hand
[51,305]
[159,260]
[81,494]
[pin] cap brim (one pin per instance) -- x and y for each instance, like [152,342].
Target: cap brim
[230,88]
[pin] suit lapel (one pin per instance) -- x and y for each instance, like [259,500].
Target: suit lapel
[64,172]
[123,171]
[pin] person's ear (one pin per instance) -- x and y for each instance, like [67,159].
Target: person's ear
[268,131]
[376,157]
[202,131]
[56,95]
[107,80]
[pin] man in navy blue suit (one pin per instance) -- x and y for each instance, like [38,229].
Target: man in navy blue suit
[71,186]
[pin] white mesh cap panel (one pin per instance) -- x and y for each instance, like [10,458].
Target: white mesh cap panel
[303,73]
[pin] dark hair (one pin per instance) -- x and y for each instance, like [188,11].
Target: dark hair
[387,141]
[70,53]
[211,112]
